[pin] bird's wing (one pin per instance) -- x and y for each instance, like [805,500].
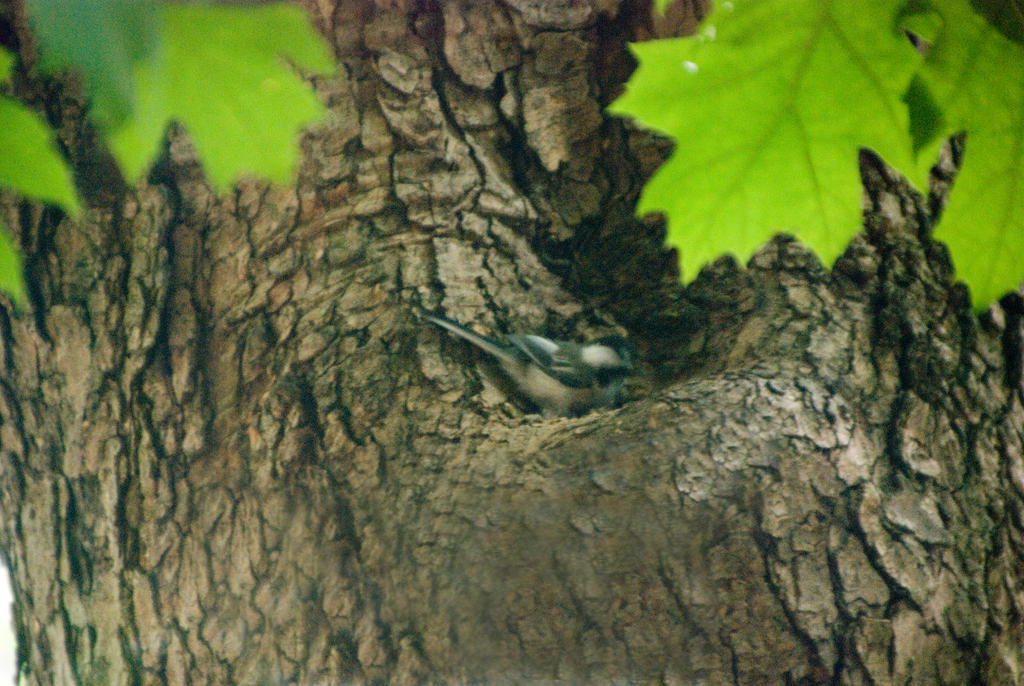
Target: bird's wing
[555,359]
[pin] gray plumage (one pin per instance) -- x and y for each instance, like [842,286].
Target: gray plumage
[560,377]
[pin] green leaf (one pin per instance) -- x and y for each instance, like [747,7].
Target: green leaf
[976,76]
[30,164]
[1006,17]
[927,122]
[660,6]
[6,64]
[102,39]
[12,277]
[29,161]
[768,107]
[219,72]
[921,19]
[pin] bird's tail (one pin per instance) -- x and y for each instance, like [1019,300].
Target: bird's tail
[486,344]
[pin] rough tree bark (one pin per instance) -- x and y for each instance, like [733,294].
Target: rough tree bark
[231,455]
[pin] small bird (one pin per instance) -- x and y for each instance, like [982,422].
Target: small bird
[559,377]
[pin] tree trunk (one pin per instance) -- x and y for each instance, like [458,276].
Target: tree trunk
[233,455]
